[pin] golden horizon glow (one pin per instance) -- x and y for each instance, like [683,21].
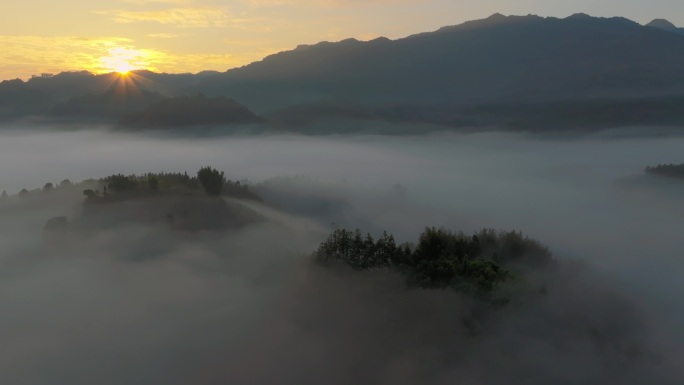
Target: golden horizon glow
[180,36]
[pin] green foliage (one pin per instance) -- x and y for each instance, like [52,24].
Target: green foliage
[359,252]
[441,258]
[485,273]
[212,180]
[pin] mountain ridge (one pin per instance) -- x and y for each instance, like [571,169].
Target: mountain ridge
[551,57]
[438,76]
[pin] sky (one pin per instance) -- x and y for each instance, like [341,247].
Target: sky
[177,36]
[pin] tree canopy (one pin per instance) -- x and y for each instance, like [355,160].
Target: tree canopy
[667,170]
[212,180]
[441,258]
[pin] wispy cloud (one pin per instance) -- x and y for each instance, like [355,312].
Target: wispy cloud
[23,56]
[204,17]
[162,35]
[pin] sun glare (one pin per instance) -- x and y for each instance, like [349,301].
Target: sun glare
[122,60]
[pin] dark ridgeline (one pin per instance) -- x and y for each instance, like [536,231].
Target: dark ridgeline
[516,72]
[69,92]
[498,59]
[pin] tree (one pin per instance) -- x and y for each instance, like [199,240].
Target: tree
[120,183]
[23,193]
[90,194]
[65,183]
[212,180]
[48,187]
[153,183]
[4,195]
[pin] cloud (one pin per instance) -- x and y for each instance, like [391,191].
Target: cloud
[209,307]
[162,35]
[205,17]
[24,56]
[40,54]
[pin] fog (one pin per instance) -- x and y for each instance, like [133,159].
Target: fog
[141,304]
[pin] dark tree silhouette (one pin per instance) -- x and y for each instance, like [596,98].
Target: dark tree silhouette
[89,193]
[153,183]
[121,183]
[667,170]
[212,180]
[48,187]
[23,193]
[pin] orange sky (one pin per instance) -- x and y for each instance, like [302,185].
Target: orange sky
[46,36]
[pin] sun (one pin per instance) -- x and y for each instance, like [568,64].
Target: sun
[124,68]
[122,60]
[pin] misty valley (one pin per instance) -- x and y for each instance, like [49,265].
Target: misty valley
[334,266]
[495,202]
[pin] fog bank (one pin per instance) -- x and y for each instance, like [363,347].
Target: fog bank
[140,304]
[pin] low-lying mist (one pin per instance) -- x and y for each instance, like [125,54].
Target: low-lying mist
[138,303]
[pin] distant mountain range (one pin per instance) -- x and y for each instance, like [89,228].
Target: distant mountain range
[522,72]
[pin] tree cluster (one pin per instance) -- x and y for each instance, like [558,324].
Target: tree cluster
[441,258]
[212,181]
[668,170]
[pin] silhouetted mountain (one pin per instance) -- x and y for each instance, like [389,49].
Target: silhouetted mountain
[41,94]
[522,72]
[120,99]
[665,25]
[186,111]
[498,59]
